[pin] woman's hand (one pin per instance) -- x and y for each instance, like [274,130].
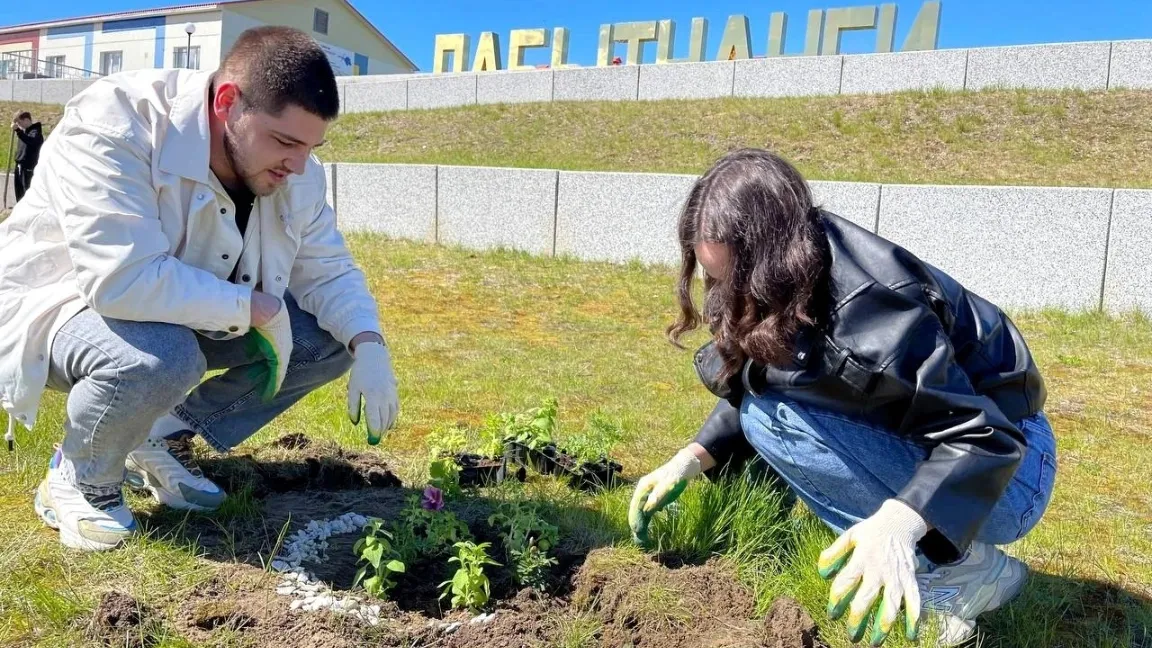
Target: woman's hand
[662,486]
[876,554]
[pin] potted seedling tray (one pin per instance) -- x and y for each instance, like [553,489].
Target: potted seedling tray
[476,470]
[590,475]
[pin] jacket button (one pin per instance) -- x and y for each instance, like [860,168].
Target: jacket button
[223,210]
[246,278]
[233,328]
[224,256]
[277,278]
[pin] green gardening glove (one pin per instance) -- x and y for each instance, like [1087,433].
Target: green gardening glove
[273,342]
[658,489]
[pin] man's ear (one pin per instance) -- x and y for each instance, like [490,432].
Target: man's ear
[225,100]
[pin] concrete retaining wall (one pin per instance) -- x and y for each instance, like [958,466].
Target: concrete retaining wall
[1093,65]
[1021,247]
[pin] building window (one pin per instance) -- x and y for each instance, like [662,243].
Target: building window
[320,21]
[181,58]
[110,62]
[54,66]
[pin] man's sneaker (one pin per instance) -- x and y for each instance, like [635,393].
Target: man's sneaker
[166,468]
[89,519]
[956,594]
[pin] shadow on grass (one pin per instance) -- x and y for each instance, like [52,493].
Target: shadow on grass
[1058,611]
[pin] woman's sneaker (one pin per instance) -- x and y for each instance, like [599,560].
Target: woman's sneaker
[956,594]
[89,519]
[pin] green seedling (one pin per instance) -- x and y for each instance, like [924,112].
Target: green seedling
[447,441]
[469,586]
[534,428]
[492,437]
[375,549]
[596,442]
[527,540]
[445,475]
[422,532]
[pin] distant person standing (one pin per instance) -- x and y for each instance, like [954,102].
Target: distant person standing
[31,136]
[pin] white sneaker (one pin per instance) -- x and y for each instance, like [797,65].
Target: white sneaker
[167,469]
[89,521]
[956,594]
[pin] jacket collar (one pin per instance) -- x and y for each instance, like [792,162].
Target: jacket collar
[187,142]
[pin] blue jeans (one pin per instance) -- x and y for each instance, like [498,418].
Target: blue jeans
[121,376]
[844,469]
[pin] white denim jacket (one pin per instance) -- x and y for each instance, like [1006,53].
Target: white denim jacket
[125,217]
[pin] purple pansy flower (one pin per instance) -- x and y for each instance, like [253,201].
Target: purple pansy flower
[433,499]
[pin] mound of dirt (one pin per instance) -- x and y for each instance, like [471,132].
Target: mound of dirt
[644,604]
[787,625]
[120,620]
[296,463]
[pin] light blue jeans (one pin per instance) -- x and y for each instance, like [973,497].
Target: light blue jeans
[122,375]
[844,469]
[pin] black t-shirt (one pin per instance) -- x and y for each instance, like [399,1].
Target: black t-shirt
[28,148]
[244,200]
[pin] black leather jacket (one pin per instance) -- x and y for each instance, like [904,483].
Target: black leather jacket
[907,348]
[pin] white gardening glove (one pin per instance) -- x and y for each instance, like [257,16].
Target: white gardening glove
[876,553]
[273,341]
[373,379]
[660,488]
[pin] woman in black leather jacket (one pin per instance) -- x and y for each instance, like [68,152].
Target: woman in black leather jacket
[904,410]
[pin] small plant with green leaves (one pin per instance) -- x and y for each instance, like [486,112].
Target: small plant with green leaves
[444,474]
[534,428]
[492,437]
[447,441]
[376,550]
[596,442]
[425,529]
[527,540]
[469,586]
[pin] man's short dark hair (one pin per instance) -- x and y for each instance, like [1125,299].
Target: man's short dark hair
[277,66]
[23,114]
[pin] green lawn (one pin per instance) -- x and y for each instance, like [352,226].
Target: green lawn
[476,333]
[1055,138]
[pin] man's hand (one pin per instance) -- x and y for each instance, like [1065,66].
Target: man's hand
[877,553]
[271,332]
[660,488]
[373,380]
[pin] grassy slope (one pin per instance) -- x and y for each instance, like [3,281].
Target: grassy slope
[1005,137]
[479,333]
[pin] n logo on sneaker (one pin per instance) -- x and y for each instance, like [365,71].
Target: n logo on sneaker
[938,598]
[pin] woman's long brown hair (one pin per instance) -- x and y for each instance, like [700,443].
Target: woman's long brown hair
[761,208]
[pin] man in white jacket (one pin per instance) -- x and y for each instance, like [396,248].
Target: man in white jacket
[179,223]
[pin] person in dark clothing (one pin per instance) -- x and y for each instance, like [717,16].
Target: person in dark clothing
[31,136]
[904,410]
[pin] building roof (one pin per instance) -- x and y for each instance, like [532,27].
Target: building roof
[184,9]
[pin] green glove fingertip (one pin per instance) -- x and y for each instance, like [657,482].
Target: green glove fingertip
[879,632]
[829,571]
[836,608]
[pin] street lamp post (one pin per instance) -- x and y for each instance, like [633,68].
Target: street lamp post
[189,28]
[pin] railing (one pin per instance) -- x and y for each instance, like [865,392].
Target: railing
[23,65]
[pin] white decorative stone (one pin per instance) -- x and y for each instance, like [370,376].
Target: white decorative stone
[297,604]
[280,565]
[285,590]
[453,627]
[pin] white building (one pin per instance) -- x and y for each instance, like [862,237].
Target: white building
[157,38]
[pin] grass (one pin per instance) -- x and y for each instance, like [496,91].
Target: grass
[1051,138]
[476,333]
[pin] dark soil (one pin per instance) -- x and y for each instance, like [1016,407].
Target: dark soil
[295,463]
[632,599]
[120,620]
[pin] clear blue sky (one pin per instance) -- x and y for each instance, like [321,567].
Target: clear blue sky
[964,23]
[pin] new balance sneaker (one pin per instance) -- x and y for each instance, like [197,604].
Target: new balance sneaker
[956,594]
[166,468]
[89,519]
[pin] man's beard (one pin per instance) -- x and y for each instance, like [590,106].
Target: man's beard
[238,164]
